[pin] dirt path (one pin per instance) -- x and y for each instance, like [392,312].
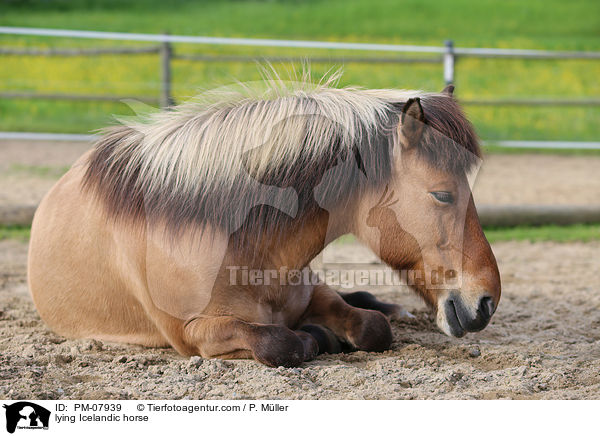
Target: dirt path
[538,179]
[28,170]
[544,342]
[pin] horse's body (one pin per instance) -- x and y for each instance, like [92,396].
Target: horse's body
[131,246]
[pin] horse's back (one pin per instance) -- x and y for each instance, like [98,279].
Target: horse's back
[80,275]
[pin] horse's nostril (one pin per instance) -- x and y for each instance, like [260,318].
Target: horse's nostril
[487,307]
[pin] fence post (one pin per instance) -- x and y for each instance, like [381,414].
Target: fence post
[449,62]
[165,74]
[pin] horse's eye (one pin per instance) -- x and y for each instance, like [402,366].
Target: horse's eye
[443,197]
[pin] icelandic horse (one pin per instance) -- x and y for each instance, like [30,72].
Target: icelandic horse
[146,238]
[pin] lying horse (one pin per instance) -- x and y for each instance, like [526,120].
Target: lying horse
[145,239]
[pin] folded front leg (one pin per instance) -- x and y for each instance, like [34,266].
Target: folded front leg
[363,329]
[227,337]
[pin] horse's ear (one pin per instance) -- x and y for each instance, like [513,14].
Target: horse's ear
[412,122]
[449,89]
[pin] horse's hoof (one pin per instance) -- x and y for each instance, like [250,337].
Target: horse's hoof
[311,346]
[369,330]
[326,340]
[278,346]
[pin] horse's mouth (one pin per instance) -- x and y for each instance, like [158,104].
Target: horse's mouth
[456,329]
[459,317]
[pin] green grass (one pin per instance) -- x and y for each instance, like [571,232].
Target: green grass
[494,149]
[580,232]
[542,24]
[38,171]
[537,23]
[19,233]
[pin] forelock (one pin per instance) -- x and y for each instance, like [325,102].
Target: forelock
[449,140]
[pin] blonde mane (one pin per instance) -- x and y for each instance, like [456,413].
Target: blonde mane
[201,161]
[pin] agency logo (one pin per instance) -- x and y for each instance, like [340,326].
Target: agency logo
[26,415]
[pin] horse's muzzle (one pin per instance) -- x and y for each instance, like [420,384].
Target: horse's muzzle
[461,318]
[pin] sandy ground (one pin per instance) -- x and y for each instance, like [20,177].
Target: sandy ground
[502,179]
[29,169]
[543,342]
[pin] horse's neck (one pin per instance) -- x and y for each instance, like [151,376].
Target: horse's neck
[292,246]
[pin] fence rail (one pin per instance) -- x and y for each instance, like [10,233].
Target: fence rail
[448,55]
[211,40]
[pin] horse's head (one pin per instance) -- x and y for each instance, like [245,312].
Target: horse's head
[425,220]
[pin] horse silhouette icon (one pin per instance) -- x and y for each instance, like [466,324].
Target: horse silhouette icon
[28,415]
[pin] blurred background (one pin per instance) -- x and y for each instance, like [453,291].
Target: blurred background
[534,24]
